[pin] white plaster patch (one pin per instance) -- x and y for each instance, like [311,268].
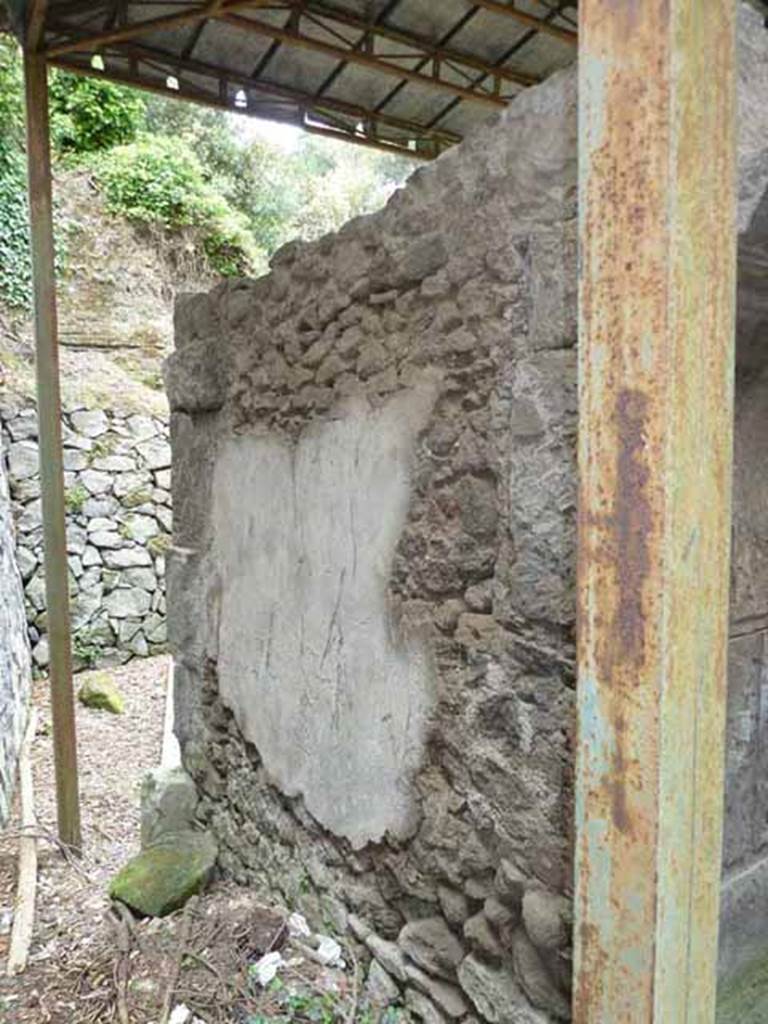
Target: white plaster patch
[304,536]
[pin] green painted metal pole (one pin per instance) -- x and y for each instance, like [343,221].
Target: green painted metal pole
[656,351]
[51,467]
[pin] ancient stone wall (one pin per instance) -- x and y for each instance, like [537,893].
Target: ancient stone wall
[15,674]
[372,580]
[117,489]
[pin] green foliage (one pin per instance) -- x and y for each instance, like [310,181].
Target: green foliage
[11,93]
[15,268]
[283,194]
[88,115]
[86,648]
[160,180]
[75,497]
[15,264]
[159,544]
[102,447]
[295,1005]
[15,271]
[169,163]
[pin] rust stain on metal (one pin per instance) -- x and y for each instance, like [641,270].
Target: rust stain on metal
[656,341]
[633,523]
[622,819]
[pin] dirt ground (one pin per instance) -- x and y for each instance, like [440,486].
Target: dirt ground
[114,751]
[92,963]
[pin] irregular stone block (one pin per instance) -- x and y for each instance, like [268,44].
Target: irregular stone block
[389,955]
[164,876]
[496,995]
[446,997]
[535,980]
[454,905]
[15,665]
[431,944]
[23,426]
[168,803]
[510,884]
[94,482]
[142,427]
[127,602]
[101,693]
[155,454]
[90,423]
[544,915]
[380,990]
[115,464]
[141,528]
[106,539]
[422,1008]
[23,460]
[125,558]
[481,939]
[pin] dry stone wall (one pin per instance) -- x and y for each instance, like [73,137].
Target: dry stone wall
[372,580]
[117,487]
[15,670]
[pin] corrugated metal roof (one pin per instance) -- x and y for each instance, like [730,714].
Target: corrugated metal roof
[408,74]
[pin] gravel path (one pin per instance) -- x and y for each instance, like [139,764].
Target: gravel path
[114,753]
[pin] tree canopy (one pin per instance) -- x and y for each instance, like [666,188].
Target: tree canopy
[175,164]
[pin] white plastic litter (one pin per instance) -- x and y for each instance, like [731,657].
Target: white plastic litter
[298,927]
[328,951]
[265,969]
[181,1015]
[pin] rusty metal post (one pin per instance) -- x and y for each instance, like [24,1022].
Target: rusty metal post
[657,297]
[51,468]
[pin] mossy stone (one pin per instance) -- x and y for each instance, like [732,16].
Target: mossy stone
[159,544]
[164,876]
[100,692]
[743,999]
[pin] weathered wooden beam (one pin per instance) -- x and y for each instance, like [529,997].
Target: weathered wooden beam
[166,23]
[424,47]
[509,10]
[294,38]
[656,351]
[322,108]
[51,467]
[33,35]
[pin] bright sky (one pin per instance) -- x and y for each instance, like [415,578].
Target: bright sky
[284,135]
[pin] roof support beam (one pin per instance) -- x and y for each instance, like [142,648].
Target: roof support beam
[329,15]
[35,24]
[51,467]
[136,29]
[271,89]
[529,20]
[438,138]
[292,37]
[656,351]
[423,47]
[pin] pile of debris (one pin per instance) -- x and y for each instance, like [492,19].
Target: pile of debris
[224,958]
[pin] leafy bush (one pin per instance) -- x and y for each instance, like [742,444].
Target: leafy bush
[160,180]
[75,497]
[303,191]
[15,263]
[15,267]
[88,115]
[15,270]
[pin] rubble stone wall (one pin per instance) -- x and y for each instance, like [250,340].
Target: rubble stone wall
[15,673]
[372,580]
[117,480]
